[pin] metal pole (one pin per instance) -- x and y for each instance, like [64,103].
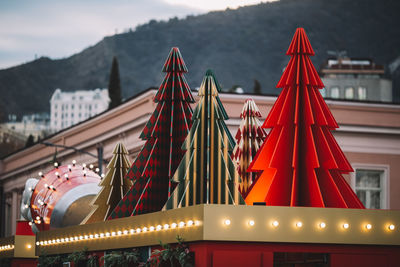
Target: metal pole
[100,158]
[2,211]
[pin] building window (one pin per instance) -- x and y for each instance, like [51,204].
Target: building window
[55,114]
[72,106]
[322,91]
[370,187]
[335,92]
[362,93]
[349,93]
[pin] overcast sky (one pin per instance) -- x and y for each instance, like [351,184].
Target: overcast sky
[57,29]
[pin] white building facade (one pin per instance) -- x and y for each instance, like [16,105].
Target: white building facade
[69,108]
[355,79]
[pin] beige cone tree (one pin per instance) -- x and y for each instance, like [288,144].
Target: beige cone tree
[114,186]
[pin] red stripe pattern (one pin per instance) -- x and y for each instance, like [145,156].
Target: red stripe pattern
[164,133]
[300,162]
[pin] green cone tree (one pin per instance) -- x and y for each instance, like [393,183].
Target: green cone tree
[206,174]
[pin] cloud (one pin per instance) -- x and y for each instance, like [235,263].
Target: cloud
[61,28]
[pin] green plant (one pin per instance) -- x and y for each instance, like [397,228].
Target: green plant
[122,258]
[178,255]
[79,258]
[6,262]
[93,261]
[49,261]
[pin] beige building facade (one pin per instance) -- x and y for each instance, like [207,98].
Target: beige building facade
[369,134]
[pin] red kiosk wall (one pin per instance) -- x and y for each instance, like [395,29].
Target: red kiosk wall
[234,254]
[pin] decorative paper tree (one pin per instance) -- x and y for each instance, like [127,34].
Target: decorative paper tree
[164,134]
[300,161]
[206,173]
[249,138]
[114,186]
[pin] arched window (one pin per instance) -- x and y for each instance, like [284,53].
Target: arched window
[335,92]
[349,93]
[362,93]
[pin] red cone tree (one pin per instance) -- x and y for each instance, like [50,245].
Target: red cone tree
[300,161]
[164,134]
[249,138]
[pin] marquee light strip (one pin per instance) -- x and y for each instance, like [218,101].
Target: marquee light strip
[119,233]
[6,247]
[321,225]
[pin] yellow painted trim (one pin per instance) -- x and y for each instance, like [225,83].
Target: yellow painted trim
[24,246]
[247,224]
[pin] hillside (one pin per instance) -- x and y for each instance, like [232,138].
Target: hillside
[239,45]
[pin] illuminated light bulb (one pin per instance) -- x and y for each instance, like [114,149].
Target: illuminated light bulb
[368,226]
[91,166]
[251,223]
[144,229]
[57,174]
[113,233]
[97,169]
[322,225]
[50,242]
[26,206]
[86,237]
[391,227]
[30,188]
[37,218]
[40,174]
[76,238]
[196,222]
[103,175]
[166,226]
[181,224]
[91,236]
[190,223]
[159,227]
[119,233]
[46,185]
[73,163]
[107,234]
[28,246]
[101,235]
[30,223]
[299,224]
[66,239]
[37,243]
[125,232]
[151,228]
[80,237]
[62,240]
[58,240]
[96,235]
[138,230]
[84,165]
[173,225]
[346,225]
[69,167]
[227,222]
[132,231]
[45,242]
[56,164]
[84,173]
[66,176]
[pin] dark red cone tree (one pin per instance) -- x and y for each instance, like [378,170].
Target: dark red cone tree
[300,162]
[164,134]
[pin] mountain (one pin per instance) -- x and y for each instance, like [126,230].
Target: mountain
[239,45]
